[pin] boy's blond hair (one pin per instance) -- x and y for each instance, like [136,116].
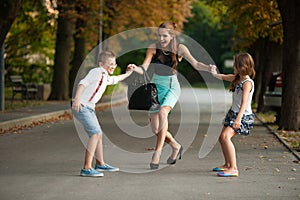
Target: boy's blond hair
[105,55]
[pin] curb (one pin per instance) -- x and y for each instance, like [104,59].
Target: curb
[294,152]
[27,121]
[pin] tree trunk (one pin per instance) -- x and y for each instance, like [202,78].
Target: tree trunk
[79,40]
[8,12]
[290,112]
[256,52]
[60,82]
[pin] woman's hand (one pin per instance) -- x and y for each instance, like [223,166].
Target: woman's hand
[131,67]
[213,69]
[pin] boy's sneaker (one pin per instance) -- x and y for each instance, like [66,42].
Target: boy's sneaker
[106,168]
[90,172]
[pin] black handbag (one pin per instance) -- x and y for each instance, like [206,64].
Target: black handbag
[142,94]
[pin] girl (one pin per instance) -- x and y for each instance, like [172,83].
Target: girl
[164,56]
[239,119]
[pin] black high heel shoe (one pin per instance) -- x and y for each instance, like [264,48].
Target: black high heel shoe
[171,161]
[155,165]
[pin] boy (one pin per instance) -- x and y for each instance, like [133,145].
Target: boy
[88,93]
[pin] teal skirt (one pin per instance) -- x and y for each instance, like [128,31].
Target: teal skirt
[168,89]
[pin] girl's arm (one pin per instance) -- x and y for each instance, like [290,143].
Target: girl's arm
[149,55]
[184,52]
[225,77]
[247,87]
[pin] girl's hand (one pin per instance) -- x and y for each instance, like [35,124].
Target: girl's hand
[213,69]
[237,124]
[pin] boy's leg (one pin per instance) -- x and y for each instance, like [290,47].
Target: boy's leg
[90,150]
[101,166]
[99,152]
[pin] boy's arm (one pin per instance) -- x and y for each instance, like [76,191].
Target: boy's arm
[129,70]
[123,76]
[76,101]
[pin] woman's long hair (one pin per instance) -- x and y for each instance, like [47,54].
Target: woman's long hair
[244,65]
[170,26]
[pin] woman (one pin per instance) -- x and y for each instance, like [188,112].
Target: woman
[164,57]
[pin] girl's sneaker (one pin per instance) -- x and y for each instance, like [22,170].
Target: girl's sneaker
[107,168]
[90,172]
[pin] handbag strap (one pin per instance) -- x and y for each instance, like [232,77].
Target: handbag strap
[146,76]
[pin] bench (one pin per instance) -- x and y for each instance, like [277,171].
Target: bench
[27,90]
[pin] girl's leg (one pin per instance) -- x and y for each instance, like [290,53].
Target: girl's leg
[229,149]
[226,159]
[90,150]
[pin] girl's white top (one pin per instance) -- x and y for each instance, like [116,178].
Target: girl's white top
[237,97]
[91,82]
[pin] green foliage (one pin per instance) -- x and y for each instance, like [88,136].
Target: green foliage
[29,46]
[111,88]
[133,57]
[210,30]
[253,19]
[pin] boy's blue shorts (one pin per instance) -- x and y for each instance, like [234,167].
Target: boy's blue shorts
[87,117]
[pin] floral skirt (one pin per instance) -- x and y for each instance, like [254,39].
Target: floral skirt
[247,122]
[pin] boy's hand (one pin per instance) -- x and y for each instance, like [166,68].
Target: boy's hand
[131,67]
[76,105]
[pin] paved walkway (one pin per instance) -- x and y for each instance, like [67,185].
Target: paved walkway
[25,116]
[268,170]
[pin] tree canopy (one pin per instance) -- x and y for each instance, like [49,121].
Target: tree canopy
[252,19]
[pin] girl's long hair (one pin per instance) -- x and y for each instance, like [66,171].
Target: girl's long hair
[244,65]
[170,26]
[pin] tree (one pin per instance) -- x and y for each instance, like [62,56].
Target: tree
[60,82]
[79,40]
[117,16]
[290,112]
[28,55]
[253,33]
[150,13]
[213,33]
[9,10]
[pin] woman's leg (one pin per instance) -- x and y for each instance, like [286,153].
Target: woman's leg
[228,149]
[159,125]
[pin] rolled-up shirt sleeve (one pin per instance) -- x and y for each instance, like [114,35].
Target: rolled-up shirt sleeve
[112,80]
